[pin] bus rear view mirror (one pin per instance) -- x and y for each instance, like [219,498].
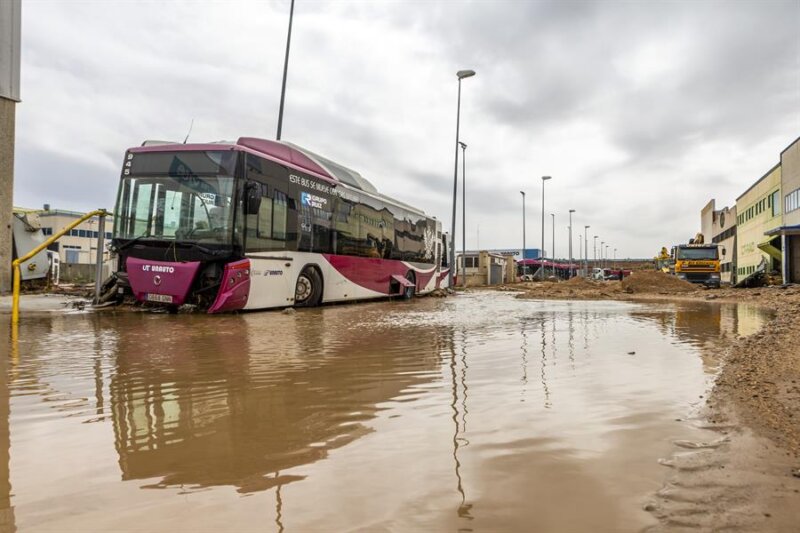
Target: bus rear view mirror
[252,199]
[724,251]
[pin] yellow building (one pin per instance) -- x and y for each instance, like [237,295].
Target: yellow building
[723,233]
[718,226]
[758,211]
[789,232]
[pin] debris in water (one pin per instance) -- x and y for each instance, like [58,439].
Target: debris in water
[697,445]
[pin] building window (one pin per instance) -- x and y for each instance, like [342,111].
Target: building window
[792,201]
[775,203]
[470,262]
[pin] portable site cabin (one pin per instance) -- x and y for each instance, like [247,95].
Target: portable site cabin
[28,235]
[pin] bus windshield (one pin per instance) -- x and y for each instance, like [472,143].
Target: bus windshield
[180,208]
[707,254]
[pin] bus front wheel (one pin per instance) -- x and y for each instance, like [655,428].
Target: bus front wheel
[308,291]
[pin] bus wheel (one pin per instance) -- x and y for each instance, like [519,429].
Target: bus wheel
[408,293]
[308,291]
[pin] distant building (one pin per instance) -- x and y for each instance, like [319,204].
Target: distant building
[758,211]
[789,230]
[718,226]
[723,231]
[707,221]
[516,253]
[485,268]
[79,246]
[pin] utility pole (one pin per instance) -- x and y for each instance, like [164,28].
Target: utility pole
[541,263]
[570,241]
[553,250]
[461,74]
[524,266]
[586,249]
[464,213]
[285,71]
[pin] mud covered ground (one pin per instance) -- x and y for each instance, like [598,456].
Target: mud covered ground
[750,473]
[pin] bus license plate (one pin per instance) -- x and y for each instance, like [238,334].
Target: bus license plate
[161,298]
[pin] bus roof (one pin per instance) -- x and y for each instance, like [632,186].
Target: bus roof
[285,152]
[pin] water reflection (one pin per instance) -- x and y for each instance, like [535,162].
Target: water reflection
[417,415]
[7,521]
[217,408]
[545,389]
[699,322]
[459,408]
[524,352]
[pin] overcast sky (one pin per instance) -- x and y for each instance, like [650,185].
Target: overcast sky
[641,111]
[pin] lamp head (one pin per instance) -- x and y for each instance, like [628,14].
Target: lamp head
[465,74]
[522,193]
[545,178]
[463,145]
[571,210]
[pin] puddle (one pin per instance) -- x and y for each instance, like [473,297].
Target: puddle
[480,412]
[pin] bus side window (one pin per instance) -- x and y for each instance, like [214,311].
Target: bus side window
[264,225]
[280,216]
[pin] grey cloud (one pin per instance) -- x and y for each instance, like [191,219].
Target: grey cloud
[63,182]
[372,85]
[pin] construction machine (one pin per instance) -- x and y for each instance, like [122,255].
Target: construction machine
[697,262]
[663,261]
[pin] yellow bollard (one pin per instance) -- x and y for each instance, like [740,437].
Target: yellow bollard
[17,262]
[15,297]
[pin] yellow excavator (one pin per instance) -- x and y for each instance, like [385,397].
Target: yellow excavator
[663,261]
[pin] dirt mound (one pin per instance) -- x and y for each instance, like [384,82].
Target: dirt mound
[655,282]
[579,282]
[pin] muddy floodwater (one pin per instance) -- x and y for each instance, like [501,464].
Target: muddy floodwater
[477,412]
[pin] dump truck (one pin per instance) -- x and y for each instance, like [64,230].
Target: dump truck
[697,262]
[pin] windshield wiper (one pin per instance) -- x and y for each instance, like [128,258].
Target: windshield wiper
[203,249]
[131,242]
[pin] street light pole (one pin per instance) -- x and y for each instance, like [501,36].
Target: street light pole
[594,250]
[463,213]
[285,70]
[586,249]
[524,266]
[541,265]
[570,241]
[615,259]
[461,74]
[601,253]
[553,248]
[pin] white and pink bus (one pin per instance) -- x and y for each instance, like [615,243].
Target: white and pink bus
[260,224]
